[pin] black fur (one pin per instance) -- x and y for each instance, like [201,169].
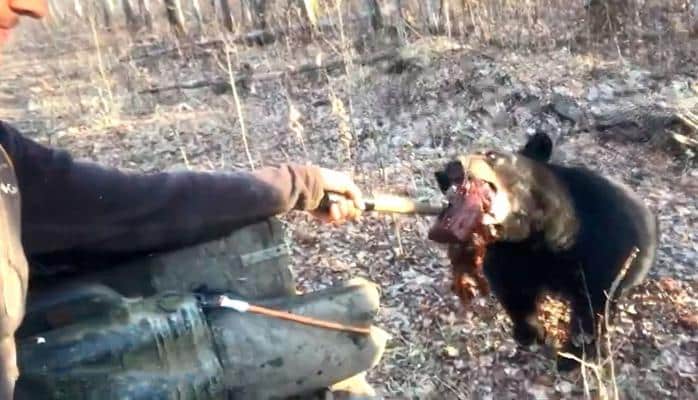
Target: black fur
[452,172]
[610,220]
[539,147]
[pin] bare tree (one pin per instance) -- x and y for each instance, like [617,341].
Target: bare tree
[56,10]
[693,19]
[376,14]
[77,7]
[147,15]
[175,17]
[130,16]
[310,11]
[108,13]
[445,22]
[430,14]
[255,11]
[197,12]
[227,15]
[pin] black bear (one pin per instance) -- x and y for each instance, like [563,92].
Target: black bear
[561,229]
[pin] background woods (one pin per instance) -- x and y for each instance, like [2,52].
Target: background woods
[387,90]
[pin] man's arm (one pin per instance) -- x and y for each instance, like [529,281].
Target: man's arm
[68,205]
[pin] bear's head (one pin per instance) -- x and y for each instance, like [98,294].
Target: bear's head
[525,196]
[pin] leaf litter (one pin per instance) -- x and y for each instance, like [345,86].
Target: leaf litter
[390,132]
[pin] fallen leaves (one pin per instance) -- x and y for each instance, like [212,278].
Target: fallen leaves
[451,351]
[689,322]
[398,129]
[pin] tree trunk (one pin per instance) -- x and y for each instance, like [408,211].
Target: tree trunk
[147,15]
[310,11]
[693,24]
[446,17]
[129,15]
[108,13]
[226,15]
[175,17]
[259,20]
[56,10]
[77,7]
[376,15]
[432,16]
[197,13]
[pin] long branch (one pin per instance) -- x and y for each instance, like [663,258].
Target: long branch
[241,77]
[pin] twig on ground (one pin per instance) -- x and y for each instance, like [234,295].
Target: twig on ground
[181,148]
[598,367]
[100,65]
[688,119]
[683,139]
[175,49]
[450,387]
[603,393]
[611,295]
[238,107]
[305,68]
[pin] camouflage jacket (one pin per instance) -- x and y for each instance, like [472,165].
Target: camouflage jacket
[74,210]
[54,209]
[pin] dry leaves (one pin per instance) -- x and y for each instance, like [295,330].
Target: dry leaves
[394,131]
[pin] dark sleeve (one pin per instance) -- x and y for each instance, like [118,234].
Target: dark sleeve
[69,205]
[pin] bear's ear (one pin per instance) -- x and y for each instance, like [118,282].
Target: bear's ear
[442,180]
[539,147]
[453,173]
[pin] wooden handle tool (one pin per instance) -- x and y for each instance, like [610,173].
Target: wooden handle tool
[386,203]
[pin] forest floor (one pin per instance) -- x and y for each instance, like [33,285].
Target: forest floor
[391,130]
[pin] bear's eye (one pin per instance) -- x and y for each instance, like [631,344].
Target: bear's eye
[491,155]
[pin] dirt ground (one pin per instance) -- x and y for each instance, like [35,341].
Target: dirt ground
[390,131]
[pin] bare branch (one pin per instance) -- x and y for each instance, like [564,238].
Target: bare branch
[306,68]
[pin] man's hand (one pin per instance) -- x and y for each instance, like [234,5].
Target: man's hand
[348,206]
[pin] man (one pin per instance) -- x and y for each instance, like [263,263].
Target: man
[52,207]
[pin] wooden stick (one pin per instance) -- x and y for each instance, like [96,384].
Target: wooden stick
[386,203]
[686,119]
[401,205]
[273,75]
[243,307]
[308,320]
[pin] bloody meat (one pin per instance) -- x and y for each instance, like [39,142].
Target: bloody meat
[460,226]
